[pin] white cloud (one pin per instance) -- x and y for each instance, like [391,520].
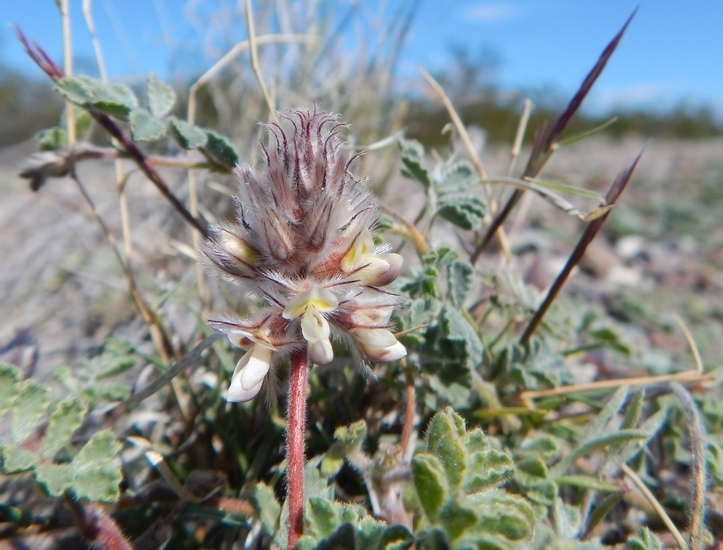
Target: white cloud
[491,11]
[643,93]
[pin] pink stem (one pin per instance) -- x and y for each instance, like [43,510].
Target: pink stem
[295,423]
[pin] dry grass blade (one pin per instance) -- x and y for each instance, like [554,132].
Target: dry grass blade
[691,343]
[656,505]
[543,147]
[255,61]
[586,238]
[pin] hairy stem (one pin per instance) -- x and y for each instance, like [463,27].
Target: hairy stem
[295,425]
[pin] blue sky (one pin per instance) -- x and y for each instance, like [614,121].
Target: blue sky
[671,52]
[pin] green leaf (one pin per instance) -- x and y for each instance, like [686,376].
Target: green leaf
[507,515]
[32,401]
[597,424]
[456,519]
[601,442]
[602,509]
[462,337]
[457,178]
[66,418]
[117,100]
[267,508]
[16,459]
[396,537]
[444,441]
[569,189]
[650,427]
[10,376]
[52,139]
[187,135]
[632,415]
[588,482]
[430,482]
[566,519]
[321,517]
[77,89]
[220,149]
[646,540]
[463,210]
[161,97]
[56,478]
[487,469]
[110,391]
[83,120]
[459,281]
[97,473]
[145,126]
[413,161]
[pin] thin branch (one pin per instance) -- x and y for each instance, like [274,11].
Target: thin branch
[656,505]
[586,238]
[459,125]
[520,135]
[295,444]
[68,68]
[543,146]
[38,55]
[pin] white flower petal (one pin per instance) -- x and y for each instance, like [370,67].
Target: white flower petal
[249,374]
[363,245]
[378,344]
[321,298]
[314,326]
[371,316]
[321,352]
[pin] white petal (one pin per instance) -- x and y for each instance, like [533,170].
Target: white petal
[356,257]
[370,316]
[249,374]
[321,298]
[314,326]
[321,352]
[394,353]
[239,339]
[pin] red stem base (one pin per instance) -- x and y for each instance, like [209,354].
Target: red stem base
[295,426]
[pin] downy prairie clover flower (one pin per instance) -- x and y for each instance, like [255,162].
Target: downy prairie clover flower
[302,246]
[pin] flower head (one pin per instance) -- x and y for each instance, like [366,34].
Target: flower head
[302,246]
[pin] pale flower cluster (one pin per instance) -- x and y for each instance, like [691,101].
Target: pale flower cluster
[302,246]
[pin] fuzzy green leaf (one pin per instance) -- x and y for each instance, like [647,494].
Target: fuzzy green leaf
[396,537]
[187,135]
[463,210]
[588,482]
[457,178]
[56,478]
[220,149]
[566,519]
[66,418]
[413,161]
[650,427]
[145,126]
[504,514]
[601,509]
[444,441]
[52,139]
[605,440]
[267,508]
[16,459]
[117,100]
[464,339]
[32,401]
[430,482]
[321,517]
[456,519]
[10,376]
[77,89]
[161,97]
[632,415]
[459,281]
[487,469]
[597,424]
[97,473]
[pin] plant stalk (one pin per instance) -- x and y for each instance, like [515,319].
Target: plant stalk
[295,427]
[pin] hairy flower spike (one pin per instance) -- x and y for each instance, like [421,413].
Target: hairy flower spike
[302,246]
